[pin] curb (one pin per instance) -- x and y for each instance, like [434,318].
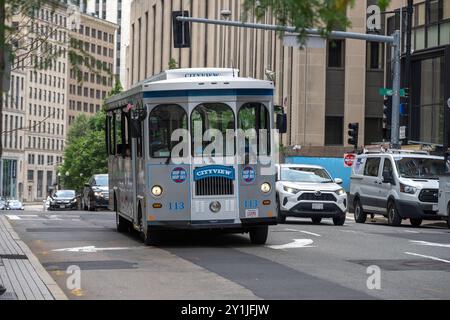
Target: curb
[54,289]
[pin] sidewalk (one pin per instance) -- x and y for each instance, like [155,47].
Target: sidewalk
[21,272]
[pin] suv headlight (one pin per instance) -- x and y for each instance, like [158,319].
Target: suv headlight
[98,194]
[407,189]
[340,192]
[290,190]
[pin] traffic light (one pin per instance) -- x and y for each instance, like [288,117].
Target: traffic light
[181,34]
[387,118]
[353,134]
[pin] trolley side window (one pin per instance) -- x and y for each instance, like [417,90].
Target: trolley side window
[164,119]
[254,119]
[208,119]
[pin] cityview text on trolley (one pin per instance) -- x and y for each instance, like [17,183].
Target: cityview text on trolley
[194,149]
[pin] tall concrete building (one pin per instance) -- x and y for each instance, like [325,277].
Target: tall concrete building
[14,108]
[96,37]
[46,112]
[426,116]
[117,12]
[322,89]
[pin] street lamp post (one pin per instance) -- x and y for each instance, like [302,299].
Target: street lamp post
[225,14]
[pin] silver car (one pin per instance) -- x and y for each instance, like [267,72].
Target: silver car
[14,205]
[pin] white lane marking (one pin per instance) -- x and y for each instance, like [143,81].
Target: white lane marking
[297,243]
[93,249]
[13,217]
[302,231]
[428,257]
[310,233]
[431,244]
[411,231]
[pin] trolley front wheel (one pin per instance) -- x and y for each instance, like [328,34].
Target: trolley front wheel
[258,235]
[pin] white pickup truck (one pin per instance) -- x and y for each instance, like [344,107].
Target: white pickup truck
[444,197]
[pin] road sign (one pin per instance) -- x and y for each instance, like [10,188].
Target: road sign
[390,92]
[311,42]
[349,159]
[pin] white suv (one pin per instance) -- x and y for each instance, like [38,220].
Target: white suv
[396,184]
[308,191]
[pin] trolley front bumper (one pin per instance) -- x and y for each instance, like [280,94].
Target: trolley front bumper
[225,225]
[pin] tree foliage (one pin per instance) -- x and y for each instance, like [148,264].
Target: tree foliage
[325,15]
[85,152]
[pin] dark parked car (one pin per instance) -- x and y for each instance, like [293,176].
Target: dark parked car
[63,199]
[96,193]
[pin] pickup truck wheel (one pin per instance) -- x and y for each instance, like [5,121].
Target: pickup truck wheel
[393,216]
[258,235]
[415,222]
[360,215]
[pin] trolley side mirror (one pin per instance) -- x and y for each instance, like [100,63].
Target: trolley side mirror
[137,116]
[135,128]
[282,122]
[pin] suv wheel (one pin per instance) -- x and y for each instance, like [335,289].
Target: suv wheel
[316,220]
[281,216]
[339,220]
[393,216]
[360,215]
[448,222]
[415,222]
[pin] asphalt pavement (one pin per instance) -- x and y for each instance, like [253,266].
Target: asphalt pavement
[300,260]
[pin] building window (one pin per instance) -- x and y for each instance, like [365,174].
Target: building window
[334,134]
[336,54]
[375,53]
[30,175]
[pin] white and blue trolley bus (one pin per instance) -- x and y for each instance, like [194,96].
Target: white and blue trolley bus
[151,193]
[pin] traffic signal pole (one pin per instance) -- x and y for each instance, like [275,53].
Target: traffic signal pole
[394,41]
[395,141]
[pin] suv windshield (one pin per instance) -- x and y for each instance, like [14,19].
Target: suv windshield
[420,168]
[311,175]
[64,194]
[101,180]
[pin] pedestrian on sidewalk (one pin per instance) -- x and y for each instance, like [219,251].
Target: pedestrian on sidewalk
[2,289]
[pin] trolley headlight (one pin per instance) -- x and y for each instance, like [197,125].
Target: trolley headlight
[215,206]
[265,187]
[340,192]
[156,191]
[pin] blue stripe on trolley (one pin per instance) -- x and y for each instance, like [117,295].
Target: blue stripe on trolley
[212,92]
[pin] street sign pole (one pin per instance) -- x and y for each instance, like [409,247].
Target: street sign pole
[394,41]
[396,88]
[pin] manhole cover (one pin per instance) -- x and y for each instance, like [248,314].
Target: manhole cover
[56,229]
[13,256]
[405,264]
[8,296]
[90,265]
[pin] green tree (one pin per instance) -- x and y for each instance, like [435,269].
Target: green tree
[20,41]
[325,15]
[173,64]
[85,153]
